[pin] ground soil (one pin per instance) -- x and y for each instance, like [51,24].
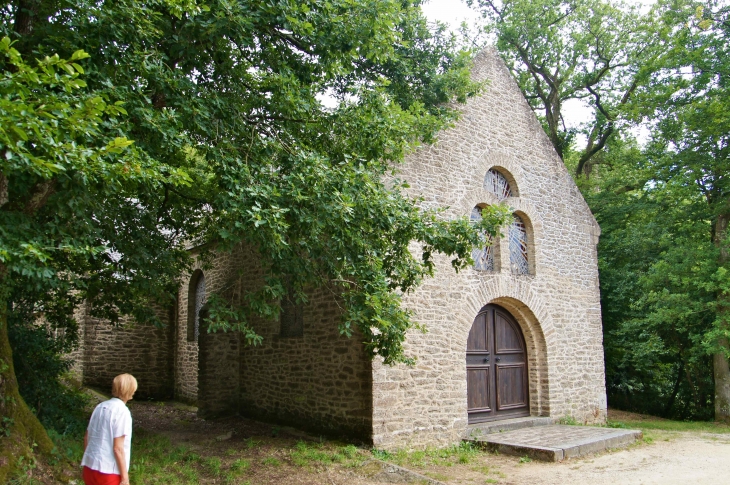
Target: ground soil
[664,457]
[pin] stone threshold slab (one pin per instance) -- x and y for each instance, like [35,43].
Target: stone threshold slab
[475,431]
[558,442]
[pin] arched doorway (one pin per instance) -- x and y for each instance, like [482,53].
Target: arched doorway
[496,367]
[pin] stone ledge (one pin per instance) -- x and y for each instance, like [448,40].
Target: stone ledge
[557,442]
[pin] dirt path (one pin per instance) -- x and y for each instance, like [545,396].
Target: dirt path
[676,458]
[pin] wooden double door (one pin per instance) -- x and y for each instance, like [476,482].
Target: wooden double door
[496,367]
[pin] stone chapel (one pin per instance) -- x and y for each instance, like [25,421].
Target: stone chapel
[519,334]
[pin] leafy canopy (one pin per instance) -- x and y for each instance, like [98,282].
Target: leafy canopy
[279,125]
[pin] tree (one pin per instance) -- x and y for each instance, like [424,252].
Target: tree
[690,103]
[656,263]
[174,121]
[561,50]
[664,210]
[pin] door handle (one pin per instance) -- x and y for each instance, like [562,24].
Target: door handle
[497,359]
[486,359]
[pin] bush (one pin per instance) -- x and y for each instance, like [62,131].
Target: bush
[40,366]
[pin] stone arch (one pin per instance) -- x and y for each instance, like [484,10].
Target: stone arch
[504,163]
[186,345]
[530,233]
[507,175]
[528,310]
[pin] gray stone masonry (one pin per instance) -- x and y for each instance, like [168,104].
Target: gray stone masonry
[320,381]
[557,304]
[144,351]
[558,442]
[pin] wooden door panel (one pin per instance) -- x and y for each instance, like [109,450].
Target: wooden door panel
[506,337]
[479,335]
[496,367]
[511,387]
[478,389]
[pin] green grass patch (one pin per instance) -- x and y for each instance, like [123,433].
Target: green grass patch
[271,461]
[462,453]
[252,443]
[156,461]
[213,465]
[305,454]
[240,465]
[668,425]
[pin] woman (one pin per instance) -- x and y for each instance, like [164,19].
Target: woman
[108,439]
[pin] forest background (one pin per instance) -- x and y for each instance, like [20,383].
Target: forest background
[131,127]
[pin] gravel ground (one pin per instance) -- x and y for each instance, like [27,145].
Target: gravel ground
[672,458]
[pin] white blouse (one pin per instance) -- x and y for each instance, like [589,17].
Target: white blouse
[111,419]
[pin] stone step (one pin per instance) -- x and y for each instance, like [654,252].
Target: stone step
[479,430]
[557,442]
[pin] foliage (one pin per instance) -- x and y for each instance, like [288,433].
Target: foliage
[655,259]
[40,368]
[232,144]
[594,51]
[662,206]
[130,130]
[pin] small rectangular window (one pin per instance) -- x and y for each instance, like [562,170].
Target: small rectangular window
[291,317]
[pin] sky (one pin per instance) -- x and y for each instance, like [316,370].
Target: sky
[451,12]
[454,12]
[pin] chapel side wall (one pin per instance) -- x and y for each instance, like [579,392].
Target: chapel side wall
[222,271]
[321,381]
[186,351]
[143,350]
[558,307]
[76,356]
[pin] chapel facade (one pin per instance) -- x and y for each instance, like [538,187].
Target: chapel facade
[518,334]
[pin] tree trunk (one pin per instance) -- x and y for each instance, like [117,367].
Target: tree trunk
[722,385]
[720,360]
[20,430]
[26,16]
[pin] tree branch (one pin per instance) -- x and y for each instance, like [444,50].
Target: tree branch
[3,189]
[40,194]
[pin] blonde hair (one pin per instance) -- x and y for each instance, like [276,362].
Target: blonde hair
[124,386]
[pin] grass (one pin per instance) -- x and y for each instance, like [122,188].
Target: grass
[309,454]
[156,460]
[271,461]
[668,425]
[462,453]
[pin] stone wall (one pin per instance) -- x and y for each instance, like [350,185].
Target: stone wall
[218,374]
[144,351]
[77,355]
[557,305]
[319,381]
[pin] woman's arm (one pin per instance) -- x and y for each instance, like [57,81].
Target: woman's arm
[121,459]
[86,440]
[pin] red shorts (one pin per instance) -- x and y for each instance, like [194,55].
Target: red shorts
[93,477]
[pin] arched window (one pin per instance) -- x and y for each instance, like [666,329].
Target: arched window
[196,300]
[483,256]
[496,183]
[291,318]
[518,257]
